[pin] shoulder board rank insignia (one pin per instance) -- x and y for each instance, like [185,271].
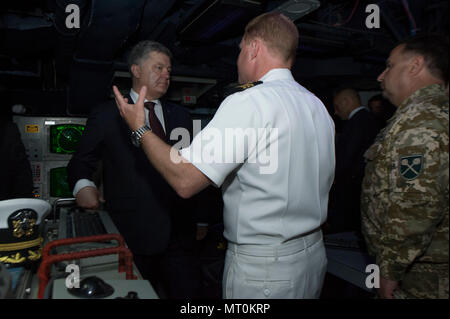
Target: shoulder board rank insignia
[241,87]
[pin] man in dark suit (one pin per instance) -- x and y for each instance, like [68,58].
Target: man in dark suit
[147,212]
[358,133]
[15,170]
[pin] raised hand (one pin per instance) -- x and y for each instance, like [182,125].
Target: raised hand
[133,114]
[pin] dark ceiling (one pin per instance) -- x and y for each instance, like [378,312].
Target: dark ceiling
[56,70]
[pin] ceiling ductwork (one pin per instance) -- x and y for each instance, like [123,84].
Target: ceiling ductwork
[41,58]
[295,9]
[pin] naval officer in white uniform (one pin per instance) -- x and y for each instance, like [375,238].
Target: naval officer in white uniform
[270,148]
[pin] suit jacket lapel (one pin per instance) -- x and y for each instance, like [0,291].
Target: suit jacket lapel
[168,123]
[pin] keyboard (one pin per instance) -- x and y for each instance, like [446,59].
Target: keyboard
[76,222]
[80,224]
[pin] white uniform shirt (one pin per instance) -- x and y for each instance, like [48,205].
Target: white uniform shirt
[159,114]
[269,201]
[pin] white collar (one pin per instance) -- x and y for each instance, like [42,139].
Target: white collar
[355,111]
[134,96]
[277,74]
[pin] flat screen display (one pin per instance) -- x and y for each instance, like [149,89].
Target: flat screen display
[59,187]
[64,138]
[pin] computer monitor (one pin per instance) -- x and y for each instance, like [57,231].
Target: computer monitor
[54,180]
[64,138]
[58,185]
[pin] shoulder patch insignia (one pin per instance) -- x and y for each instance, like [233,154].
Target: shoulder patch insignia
[241,87]
[411,166]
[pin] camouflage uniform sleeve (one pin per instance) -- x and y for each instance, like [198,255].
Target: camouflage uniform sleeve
[413,213]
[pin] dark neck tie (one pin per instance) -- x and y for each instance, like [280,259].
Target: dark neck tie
[155,124]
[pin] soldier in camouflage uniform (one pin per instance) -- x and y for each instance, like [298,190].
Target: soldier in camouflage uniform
[405,192]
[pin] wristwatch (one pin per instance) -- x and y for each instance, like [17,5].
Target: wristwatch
[136,136]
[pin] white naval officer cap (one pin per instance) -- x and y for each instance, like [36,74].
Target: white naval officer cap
[20,230]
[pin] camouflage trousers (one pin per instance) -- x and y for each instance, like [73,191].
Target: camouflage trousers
[424,281]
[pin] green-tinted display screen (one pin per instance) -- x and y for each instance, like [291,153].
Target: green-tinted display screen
[64,138]
[59,187]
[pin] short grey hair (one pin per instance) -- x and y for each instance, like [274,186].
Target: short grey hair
[143,49]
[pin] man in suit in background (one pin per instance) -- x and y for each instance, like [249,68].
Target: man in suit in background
[147,212]
[359,131]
